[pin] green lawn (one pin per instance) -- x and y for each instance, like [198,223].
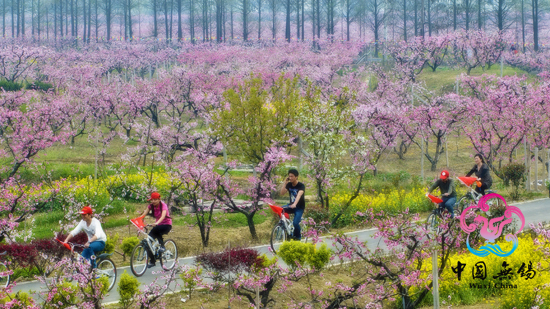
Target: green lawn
[444,79]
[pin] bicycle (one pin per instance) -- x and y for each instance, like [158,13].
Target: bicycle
[139,258]
[4,273]
[434,219]
[105,266]
[472,196]
[284,228]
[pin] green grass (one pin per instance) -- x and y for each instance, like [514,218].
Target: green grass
[444,79]
[112,223]
[222,220]
[46,224]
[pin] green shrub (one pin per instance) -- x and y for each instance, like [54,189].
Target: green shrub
[38,85]
[110,245]
[188,276]
[317,212]
[295,253]
[23,298]
[25,272]
[128,245]
[10,86]
[514,173]
[128,287]
[65,297]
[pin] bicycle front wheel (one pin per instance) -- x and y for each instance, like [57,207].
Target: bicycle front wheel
[4,275]
[278,235]
[138,261]
[108,269]
[462,204]
[170,255]
[432,223]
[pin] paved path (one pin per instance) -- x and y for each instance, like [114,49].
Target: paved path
[534,212]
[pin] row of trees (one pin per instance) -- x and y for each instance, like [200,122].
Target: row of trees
[223,20]
[345,122]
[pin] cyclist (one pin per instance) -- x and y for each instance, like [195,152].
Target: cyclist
[162,225]
[297,203]
[448,192]
[96,236]
[481,170]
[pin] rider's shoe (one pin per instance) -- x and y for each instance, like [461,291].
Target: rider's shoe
[149,265]
[161,250]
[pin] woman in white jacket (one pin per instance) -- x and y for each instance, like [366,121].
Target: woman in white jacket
[96,237]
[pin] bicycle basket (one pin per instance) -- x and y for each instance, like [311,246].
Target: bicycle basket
[278,210]
[434,198]
[138,222]
[467,181]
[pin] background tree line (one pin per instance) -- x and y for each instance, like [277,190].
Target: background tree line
[223,20]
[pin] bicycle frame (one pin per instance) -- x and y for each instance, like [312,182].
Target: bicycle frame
[153,244]
[284,220]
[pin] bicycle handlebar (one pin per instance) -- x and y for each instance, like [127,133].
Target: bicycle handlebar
[69,245]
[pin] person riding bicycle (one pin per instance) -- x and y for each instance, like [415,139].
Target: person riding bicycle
[96,236]
[297,203]
[162,225]
[481,170]
[448,192]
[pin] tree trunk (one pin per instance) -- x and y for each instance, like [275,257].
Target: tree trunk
[259,19]
[523,25]
[131,32]
[467,7]
[535,12]
[155,22]
[89,20]
[166,32]
[251,226]
[12,19]
[3,18]
[318,15]
[454,15]
[180,32]
[303,20]
[245,20]
[274,20]
[479,14]
[404,20]
[23,18]
[287,21]
[429,18]
[415,17]
[298,20]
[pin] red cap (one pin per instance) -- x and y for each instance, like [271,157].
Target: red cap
[444,174]
[86,211]
[154,196]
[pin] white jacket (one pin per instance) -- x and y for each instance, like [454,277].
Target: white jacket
[93,230]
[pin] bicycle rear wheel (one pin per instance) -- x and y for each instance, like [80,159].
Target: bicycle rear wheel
[278,235]
[170,255]
[138,261]
[108,269]
[4,276]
